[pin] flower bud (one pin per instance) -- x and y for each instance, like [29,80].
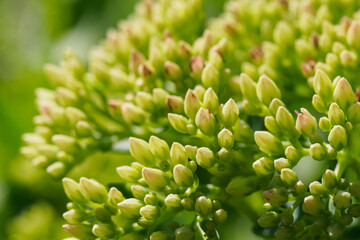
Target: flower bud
[173,201]
[353,113]
[336,115]
[160,235]
[337,137]
[183,176]
[155,178]
[191,151]
[292,154]
[281,163]
[188,204]
[325,124]
[145,223]
[268,143]
[140,151]
[288,176]
[306,123]
[129,174]
[79,231]
[130,207]
[184,233]
[354,210]
[230,113]
[191,104]
[74,216]
[241,186]
[285,120]
[210,77]
[159,96]
[272,126]
[329,179]
[103,231]
[322,85]
[93,190]
[102,215]
[274,106]
[299,188]
[175,103]
[226,139]
[354,189]
[313,205]
[267,90]
[132,114]
[203,206]
[348,58]
[138,191]
[205,121]
[178,154]
[342,200]
[172,70]
[317,152]
[72,190]
[150,212]
[319,104]
[248,88]
[263,167]
[353,34]
[151,199]
[220,216]
[343,94]
[211,100]
[283,34]
[56,170]
[205,157]
[276,196]
[269,219]
[159,148]
[66,143]
[178,122]
[115,196]
[284,233]
[317,188]
[196,66]
[145,101]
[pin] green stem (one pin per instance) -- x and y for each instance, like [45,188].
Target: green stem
[251,206]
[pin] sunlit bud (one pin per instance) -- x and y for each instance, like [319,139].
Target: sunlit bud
[191,152]
[173,201]
[343,94]
[292,154]
[263,167]
[115,196]
[130,207]
[283,34]
[306,123]
[325,124]
[72,190]
[329,179]
[159,96]
[211,100]
[230,112]
[276,196]
[281,163]
[354,189]
[267,90]
[354,210]
[56,170]
[140,151]
[145,223]
[206,122]
[188,204]
[66,97]
[191,104]
[119,79]
[160,235]
[353,34]
[74,216]
[322,85]
[203,206]
[79,231]
[66,143]
[215,59]
[274,105]
[353,113]
[151,199]
[183,176]
[178,154]
[155,178]
[342,200]
[159,148]
[268,143]
[210,77]
[336,115]
[317,152]
[248,88]
[83,129]
[172,70]
[205,157]
[138,191]
[317,188]
[178,122]
[241,186]
[145,101]
[338,137]
[40,161]
[269,220]
[271,125]
[199,91]
[226,138]
[348,58]
[175,103]
[128,173]
[102,215]
[184,233]
[319,104]
[196,66]
[313,205]
[285,119]
[103,231]
[93,190]
[288,176]
[132,114]
[300,188]
[150,212]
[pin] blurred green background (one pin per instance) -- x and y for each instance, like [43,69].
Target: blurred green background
[32,33]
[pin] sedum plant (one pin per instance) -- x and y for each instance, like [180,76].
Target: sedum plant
[223,115]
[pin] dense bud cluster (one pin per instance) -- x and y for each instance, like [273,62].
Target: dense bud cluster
[210,118]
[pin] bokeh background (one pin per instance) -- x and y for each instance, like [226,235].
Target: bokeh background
[32,33]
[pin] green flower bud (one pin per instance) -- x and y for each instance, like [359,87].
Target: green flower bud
[281,163]
[93,190]
[267,90]
[154,178]
[145,223]
[243,132]
[196,66]
[115,196]
[317,152]
[288,176]
[354,210]
[342,200]
[74,216]
[129,174]
[150,212]
[274,106]
[173,201]
[285,120]
[269,220]
[241,186]
[191,104]
[138,191]
[191,151]
[188,204]
[263,167]
[220,216]
[183,176]
[226,139]
[205,121]
[172,70]
[203,206]
[145,101]
[178,154]
[354,189]
[132,114]
[210,77]
[336,115]
[329,179]
[103,231]
[184,233]
[79,231]
[72,190]
[283,34]
[56,170]
[199,91]
[292,154]
[337,137]
[102,215]
[140,151]
[353,34]
[322,85]
[205,157]
[272,125]
[348,58]
[248,88]
[151,199]
[276,196]
[353,113]
[300,188]
[130,207]
[83,129]
[66,143]
[284,233]
[175,103]
[230,113]
[325,124]
[268,143]
[319,104]
[317,188]
[160,235]
[286,218]
[343,94]
[313,205]
[211,100]
[159,148]
[343,184]
[74,115]
[306,123]
[159,96]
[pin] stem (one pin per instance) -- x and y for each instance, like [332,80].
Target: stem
[251,206]
[342,163]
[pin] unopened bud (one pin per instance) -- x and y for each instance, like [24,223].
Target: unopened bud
[306,123]
[329,179]
[353,34]
[115,196]
[319,104]
[103,231]
[138,191]
[230,112]
[210,77]
[211,100]
[263,167]
[160,235]
[267,90]
[188,204]
[145,101]
[338,137]
[353,113]
[281,163]
[172,70]
[205,157]
[74,216]
[274,105]
[203,206]
[191,104]
[175,103]
[292,154]
[206,122]
[178,154]
[79,231]
[66,143]
[248,88]
[184,233]
[178,122]
[354,189]
[336,115]
[128,173]
[132,114]
[268,143]
[183,176]
[317,188]
[159,148]
[288,176]
[130,207]
[241,186]
[93,190]
[276,196]
[72,190]
[285,120]
[317,152]
[325,124]
[173,201]
[155,178]
[226,139]
[342,200]
[322,85]
[140,151]
[343,94]
[269,219]
[150,212]
[313,205]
